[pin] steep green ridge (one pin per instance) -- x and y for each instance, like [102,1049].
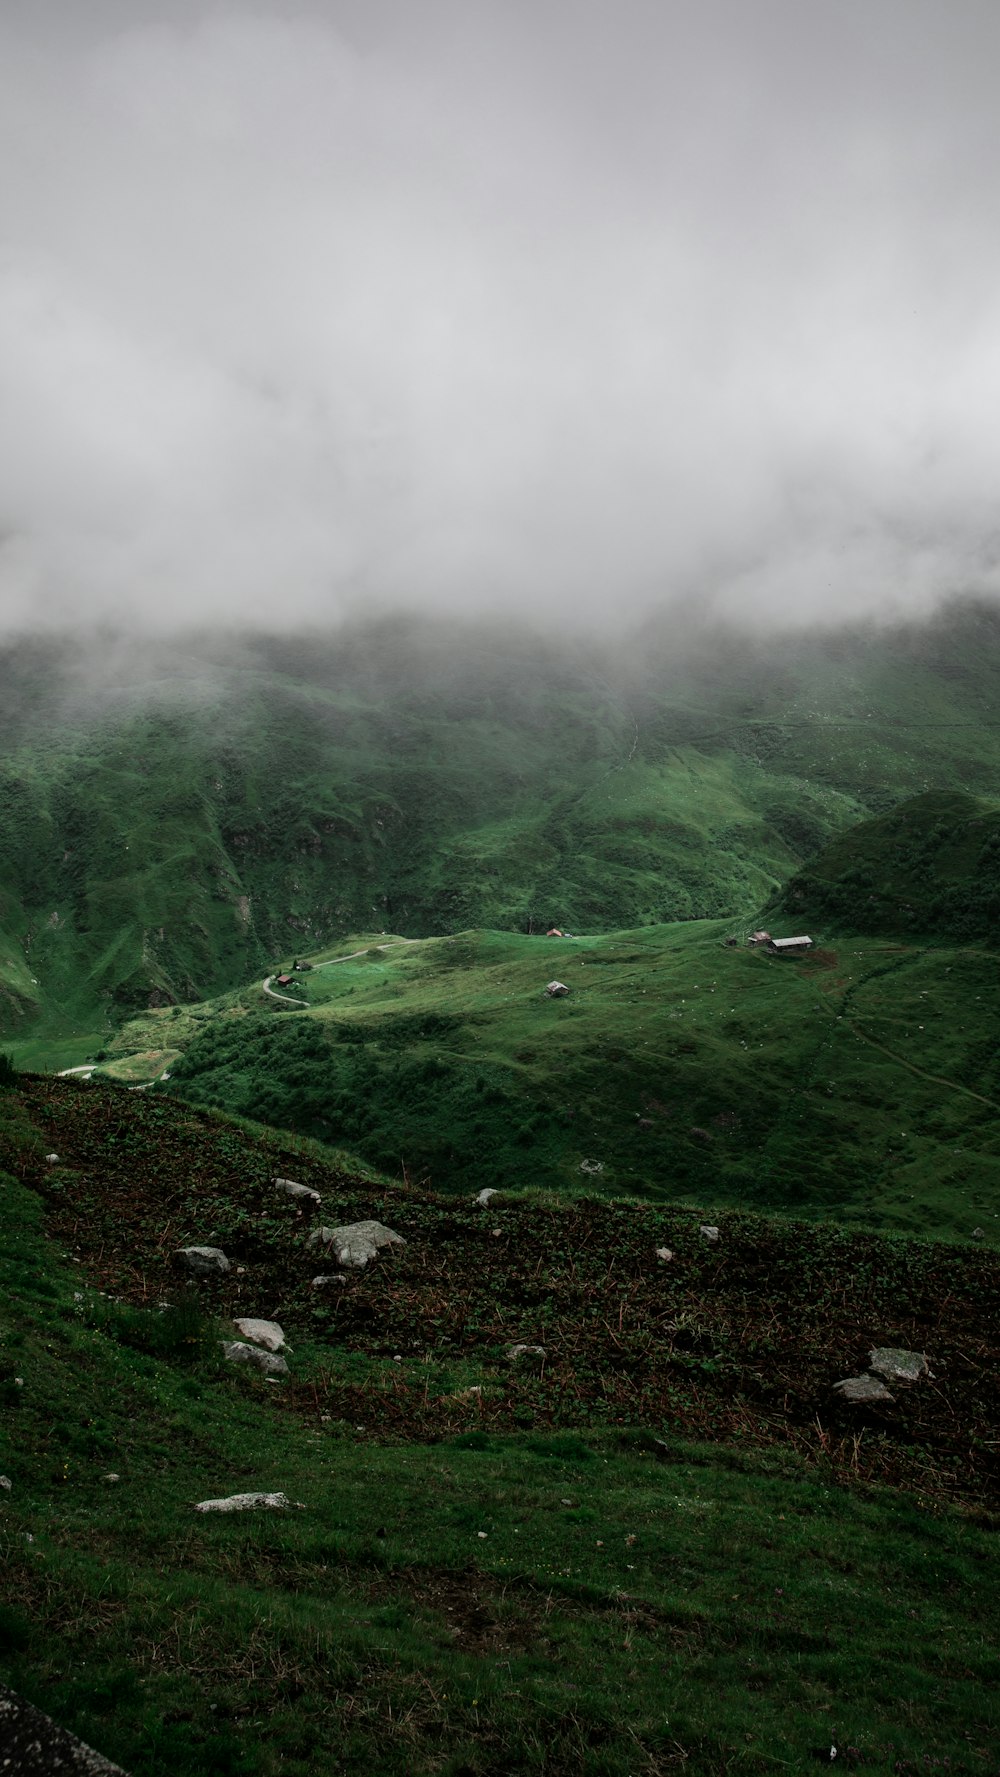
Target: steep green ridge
[860,1082]
[488,1568]
[173,821]
[931,866]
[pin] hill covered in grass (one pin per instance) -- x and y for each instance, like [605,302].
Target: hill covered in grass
[176,818]
[670,1544]
[931,867]
[859,1082]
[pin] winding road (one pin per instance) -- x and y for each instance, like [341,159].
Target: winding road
[287,998]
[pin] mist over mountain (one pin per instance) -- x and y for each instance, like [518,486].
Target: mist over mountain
[315,310]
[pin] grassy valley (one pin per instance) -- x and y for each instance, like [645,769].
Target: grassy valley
[859,1082]
[174,820]
[659,1538]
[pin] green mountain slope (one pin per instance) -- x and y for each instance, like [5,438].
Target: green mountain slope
[931,867]
[672,1544]
[174,821]
[861,1082]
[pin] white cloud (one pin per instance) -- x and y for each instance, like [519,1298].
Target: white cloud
[569,306]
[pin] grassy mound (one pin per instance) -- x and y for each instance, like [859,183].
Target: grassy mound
[931,868]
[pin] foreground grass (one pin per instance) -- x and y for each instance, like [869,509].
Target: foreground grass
[469,1597]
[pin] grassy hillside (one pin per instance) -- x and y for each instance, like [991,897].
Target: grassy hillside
[930,867]
[861,1082]
[172,824]
[671,1546]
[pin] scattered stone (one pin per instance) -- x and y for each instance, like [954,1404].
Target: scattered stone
[531,1356]
[204,1261]
[591,1166]
[355,1245]
[898,1366]
[238,1353]
[52,1159]
[304,1195]
[262,1332]
[484,1197]
[978,1234]
[111,1477]
[863,1388]
[556,990]
[6,1483]
[245,1502]
[711,1234]
[664,1253]
[333,1277]
[33,1745]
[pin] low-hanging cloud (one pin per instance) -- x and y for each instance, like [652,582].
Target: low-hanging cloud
[578,306]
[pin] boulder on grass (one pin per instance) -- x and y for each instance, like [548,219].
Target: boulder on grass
[266,1361]
[531,1357]
[304,1195]
[355,1245]
[33,1745]
[863,1389]
[244,1502]
[556,990]
[262,1332]
[711,1234]
[204,1261]
[894,1365]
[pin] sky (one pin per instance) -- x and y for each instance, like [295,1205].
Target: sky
[575,309]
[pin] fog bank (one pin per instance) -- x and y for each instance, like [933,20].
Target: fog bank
[576,308]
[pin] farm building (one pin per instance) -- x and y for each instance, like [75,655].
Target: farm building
[789,946]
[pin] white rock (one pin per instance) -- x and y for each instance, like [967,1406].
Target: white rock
[267,1361]
[262,1332]
[332,1277]
[484,1197]
[355,1245]
[664,1253]
[304,1193]
[556,990]
[894,1365]
[520,1354]
[711,1234]
[6,1483]
[862,1388]
[204,1261]
[52,1159]
[244,1502]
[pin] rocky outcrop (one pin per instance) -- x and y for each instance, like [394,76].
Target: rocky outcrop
[235,1352]
[203,1261]
[863,1389]
[355,1246]
[262,1332]
[244,1502]
[33,1745]
[304,1195]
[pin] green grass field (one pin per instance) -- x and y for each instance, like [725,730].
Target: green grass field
[860,1082]
[484,1570]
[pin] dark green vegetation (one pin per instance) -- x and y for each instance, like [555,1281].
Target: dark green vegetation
[494,1570]
[930,867]
[860,1082]
[173,824]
